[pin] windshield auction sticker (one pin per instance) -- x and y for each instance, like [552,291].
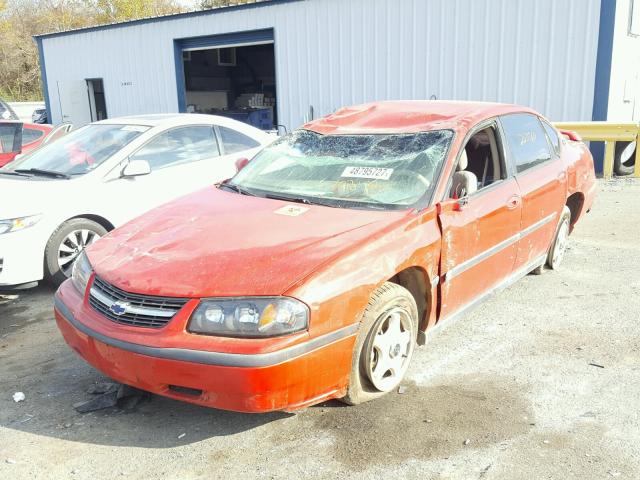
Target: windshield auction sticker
[291,210]
[367,172]
[134,128]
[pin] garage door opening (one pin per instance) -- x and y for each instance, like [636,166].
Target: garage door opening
[236,80]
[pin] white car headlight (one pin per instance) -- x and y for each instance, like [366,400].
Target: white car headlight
[81,272]
[251,317]
[20,223]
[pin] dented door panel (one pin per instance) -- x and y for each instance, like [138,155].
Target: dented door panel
[479,244]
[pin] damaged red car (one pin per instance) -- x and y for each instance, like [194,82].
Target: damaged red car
[20,138]
[316,270]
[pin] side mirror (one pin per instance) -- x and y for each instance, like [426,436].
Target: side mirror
[241,163]
[463,184]
[461,203]
[136,168]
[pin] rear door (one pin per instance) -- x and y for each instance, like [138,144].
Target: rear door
[479,238]
[542,180]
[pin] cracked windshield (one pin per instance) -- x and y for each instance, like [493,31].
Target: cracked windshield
[357,171]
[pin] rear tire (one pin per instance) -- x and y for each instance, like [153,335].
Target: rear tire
[384,345]
[66,244]
[560,241]
[624,158]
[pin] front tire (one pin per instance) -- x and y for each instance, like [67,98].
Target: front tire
[384,345]
[66,244]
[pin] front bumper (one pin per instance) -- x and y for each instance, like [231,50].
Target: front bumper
[286,379]
[22,257]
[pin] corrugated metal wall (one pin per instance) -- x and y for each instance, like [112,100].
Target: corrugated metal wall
[330,53]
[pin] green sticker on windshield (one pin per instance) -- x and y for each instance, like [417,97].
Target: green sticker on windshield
[367,172]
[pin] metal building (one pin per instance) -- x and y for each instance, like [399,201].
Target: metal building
[285,61]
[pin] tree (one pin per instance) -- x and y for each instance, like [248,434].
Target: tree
[207,4]
[109,11]
[20,20]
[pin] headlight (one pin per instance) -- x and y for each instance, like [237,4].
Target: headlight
[81,272]
[251,317]
[15,224]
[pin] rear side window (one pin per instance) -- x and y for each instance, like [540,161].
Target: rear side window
[10,138]
[30,135]
[552,134]
[526,140]
[179,145]
[234,141]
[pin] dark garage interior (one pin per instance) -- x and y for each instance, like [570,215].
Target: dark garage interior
[237,82]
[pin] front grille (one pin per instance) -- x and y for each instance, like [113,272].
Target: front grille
[137,310]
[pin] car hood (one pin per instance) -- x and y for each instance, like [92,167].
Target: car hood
[217,243]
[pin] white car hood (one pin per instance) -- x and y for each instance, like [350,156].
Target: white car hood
[22,197]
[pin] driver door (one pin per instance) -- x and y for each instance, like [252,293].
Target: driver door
[479,231]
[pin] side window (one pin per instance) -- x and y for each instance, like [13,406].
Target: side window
[30,135]
[179,145]
[9,133]
[479,164]
[526,139]
[234,141]
[553,136]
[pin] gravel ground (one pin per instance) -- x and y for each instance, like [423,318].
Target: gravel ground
[541,381]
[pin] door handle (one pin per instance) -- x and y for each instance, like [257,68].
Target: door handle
[514,201]
[562,176]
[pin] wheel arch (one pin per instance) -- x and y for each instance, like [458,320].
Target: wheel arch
[416,281]
[108,226]
[575,202]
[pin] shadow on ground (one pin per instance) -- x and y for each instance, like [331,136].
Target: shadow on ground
[424,422]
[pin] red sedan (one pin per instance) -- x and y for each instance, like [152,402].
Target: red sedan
[314,272]
[18,138]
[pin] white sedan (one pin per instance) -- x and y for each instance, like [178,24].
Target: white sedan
[64,196]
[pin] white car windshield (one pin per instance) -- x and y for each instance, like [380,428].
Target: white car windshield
[390,171]
[79,151]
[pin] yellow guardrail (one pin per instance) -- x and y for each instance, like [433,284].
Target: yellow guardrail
[610,133]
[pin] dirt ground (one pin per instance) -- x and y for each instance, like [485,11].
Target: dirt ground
[542,381]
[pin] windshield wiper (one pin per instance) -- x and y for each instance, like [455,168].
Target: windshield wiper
[237,189]
[304,200]
[43,173]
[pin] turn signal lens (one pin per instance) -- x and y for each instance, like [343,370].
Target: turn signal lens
[268,316]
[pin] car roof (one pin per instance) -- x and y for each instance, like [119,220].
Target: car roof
[409,116]
[154,120]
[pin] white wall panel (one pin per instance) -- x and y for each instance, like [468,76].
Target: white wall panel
[331,53]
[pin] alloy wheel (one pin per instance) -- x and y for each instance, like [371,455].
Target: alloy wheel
[560,246]
[390,350]
[72,246]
